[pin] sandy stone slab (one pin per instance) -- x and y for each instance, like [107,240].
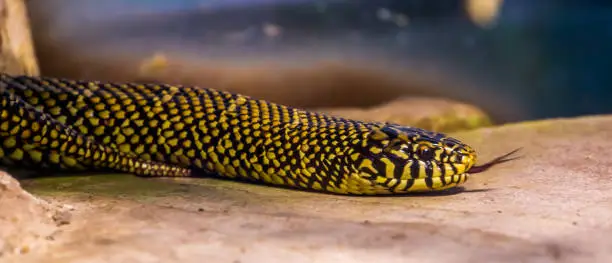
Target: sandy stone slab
[27,223]
[436,114]
[553,205]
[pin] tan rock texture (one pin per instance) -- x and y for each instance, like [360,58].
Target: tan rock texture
[553,205]
[26,222]
[16,50]
[435,114]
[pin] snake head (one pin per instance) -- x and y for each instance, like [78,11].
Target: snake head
[427,153]
[400,159]
[406,159]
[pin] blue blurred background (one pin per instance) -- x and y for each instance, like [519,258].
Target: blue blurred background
[518,59]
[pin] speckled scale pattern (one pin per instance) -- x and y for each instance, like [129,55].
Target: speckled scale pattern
[30,137]
[210,131]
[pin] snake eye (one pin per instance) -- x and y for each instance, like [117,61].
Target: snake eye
[425,153]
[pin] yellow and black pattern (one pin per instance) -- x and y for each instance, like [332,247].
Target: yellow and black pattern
[230,135]
[30,137]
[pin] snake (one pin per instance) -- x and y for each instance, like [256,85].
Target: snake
[154,129]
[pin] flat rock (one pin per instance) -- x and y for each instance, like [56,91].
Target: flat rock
[26,222]
[17,54]
[553,205]
[435,114]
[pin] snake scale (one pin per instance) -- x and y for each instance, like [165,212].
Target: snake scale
[151,129]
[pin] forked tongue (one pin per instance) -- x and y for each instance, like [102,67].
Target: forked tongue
[501,159]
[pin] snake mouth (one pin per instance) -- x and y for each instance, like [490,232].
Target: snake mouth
[501,159]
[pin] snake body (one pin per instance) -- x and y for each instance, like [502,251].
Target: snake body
[171,130]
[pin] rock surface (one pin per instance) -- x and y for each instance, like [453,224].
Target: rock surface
[26,222]
[553,205]
[16,49]
[428,113]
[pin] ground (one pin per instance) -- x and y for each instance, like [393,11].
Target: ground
[549,206]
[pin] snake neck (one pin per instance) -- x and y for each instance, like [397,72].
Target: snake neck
[275,144]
